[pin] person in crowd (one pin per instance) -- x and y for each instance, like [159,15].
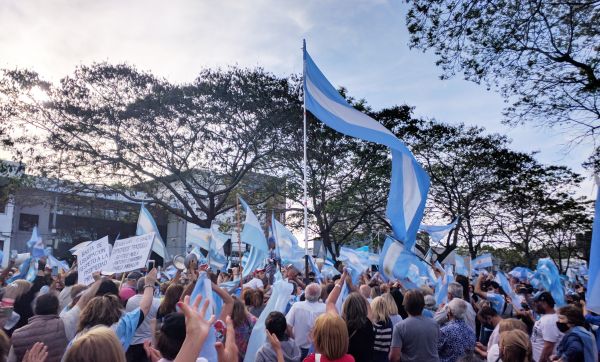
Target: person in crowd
[430,306]
[273,261]
[330,338]
[99,344]
[578,343]
[505,325]
[128,289]
[243,323]
[489,319]
[392,309]
[546,335]
[355,312]
[592,319]
[108,310]
[143,333]
[64,298]
[416,337]
[4,346]
[457,339]
[257,302]
[383,325]
[456,291]
[302,315]
[257,281]
[491,291]
[276,324]
[169,302]
[514,346]
[169,338]
[291,276]
[77,291]
[20,294]
[48,327]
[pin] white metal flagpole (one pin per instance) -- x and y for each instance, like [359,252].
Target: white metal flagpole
[305,162]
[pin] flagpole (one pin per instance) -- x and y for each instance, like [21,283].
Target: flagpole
[305,161]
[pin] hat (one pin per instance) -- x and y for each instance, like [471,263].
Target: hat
[544,297]
[173,326]
[259,270]
[134,275]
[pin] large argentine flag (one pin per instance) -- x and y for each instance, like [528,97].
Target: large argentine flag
[252,233]
[592,296]
[409,182]
[147,225]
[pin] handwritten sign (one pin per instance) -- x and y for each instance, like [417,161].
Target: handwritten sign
[130,254]
[92,258]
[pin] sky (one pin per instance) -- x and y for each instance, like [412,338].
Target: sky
[359,44]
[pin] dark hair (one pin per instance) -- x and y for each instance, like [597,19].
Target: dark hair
[276,323]
[354,311]
[171,336]
[414,302]
[399,299]
[259,298]
[545,297]
[71,279]
[248,296]
[46,304]
[107,286]
[487,311]
[464,281]
[105,310]
[574,315]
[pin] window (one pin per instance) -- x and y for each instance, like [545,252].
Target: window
[28,221]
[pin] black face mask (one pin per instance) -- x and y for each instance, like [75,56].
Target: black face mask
[563,327]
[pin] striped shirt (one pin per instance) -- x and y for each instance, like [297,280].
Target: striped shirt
[383,336]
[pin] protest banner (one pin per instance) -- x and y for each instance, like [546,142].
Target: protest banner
[130,254]
[92,258]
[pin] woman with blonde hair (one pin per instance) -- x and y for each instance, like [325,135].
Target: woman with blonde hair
[392,308]
[330,338]
[505,325]
[98,344]
[515,346]
[383,327]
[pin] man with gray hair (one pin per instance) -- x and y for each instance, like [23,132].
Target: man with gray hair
[301,317]
[456,338]
[455,291]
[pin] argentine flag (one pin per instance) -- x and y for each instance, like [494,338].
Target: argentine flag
[145,225]
[409,182]
[252,233]
[438,232]
[592,296]
[482,261]
[36,244]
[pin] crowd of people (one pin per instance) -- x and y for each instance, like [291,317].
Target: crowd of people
[143,317]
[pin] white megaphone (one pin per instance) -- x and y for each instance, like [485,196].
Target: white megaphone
[179,262]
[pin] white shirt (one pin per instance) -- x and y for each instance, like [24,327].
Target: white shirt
[144,332]
[254,283]
[545,330]
[494,337]
[493,354]
[302,317]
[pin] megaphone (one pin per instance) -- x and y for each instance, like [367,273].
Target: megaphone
[179,262]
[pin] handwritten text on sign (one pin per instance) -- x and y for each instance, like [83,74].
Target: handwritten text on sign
[130,254]
[92,258]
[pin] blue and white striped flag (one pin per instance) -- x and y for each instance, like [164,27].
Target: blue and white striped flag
[592,296]
[199,236]
[252,233]
[145,225]
[438,232]
[36,244]
[482,261]
[409,182]
[355,262]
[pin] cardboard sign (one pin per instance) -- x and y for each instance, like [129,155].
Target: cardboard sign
[130,254]
[92,258]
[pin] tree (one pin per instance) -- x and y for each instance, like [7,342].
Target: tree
[543,56]
[188,148]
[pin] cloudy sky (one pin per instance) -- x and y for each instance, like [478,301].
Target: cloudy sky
[360,44]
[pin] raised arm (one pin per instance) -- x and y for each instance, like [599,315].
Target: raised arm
[148,295]
[478,289]
[227,307]
[90,292]
[334,295]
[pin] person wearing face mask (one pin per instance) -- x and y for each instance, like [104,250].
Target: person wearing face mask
[578,343]
[545,335]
